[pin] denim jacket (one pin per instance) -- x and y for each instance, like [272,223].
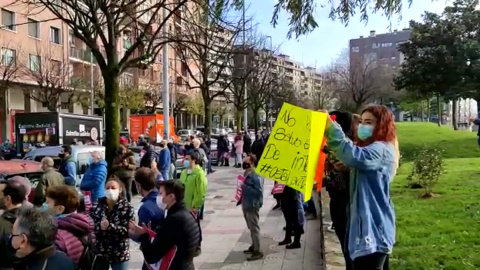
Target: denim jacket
[371,223]
[252,195]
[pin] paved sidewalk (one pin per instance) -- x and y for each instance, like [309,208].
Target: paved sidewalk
[333,251]
[225,235]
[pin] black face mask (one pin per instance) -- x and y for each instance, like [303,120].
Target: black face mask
[246,165]
[162,145]
[61,155]
[10,246]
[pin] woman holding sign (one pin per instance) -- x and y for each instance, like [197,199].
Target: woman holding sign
[373,160]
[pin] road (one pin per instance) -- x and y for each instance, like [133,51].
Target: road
[225,235]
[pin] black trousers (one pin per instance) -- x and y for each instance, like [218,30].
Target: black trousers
[375,261]
[290,213]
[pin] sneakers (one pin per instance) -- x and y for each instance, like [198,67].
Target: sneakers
[257,255]
[249,250]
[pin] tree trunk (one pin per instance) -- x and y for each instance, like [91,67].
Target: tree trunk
[439,110]
[422,112]
[112,119]
[428,109]
[208,117]
[454,114]
[4,114]
[255,120]
[267,117]
[239,120]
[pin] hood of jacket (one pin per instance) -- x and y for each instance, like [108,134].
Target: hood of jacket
[10,215]
[196,171]
[77,224]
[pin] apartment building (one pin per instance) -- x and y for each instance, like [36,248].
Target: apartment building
[36,45]
[381,48]
[303,79]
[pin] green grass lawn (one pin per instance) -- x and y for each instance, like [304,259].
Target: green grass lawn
[441,232]
[457,144]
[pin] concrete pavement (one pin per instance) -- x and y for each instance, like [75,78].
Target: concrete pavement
[225,235]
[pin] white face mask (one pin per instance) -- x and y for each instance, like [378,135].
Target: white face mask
[160,203]
[112,194]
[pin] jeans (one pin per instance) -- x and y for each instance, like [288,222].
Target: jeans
[239,159]
[165,175]
[127,191]
[173,172]
[375,261]
[251,218]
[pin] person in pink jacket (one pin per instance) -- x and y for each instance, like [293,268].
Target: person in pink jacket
[63,201]
[238,151]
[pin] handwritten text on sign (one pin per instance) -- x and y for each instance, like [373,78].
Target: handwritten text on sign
[291,153]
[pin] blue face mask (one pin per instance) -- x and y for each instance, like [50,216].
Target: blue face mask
[186,163]
[364,131]
[90,160]
[44,207]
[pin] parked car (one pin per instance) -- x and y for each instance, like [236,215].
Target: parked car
[25,168]
[185,132]
[80,153]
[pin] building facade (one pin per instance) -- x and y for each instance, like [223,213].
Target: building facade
[381,48]
[37,50]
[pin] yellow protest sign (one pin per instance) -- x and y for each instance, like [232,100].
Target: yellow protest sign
[291,153]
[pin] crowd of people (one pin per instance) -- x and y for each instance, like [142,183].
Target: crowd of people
[65,229]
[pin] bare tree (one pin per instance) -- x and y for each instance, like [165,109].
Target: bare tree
[206,51]
[9,72]
[261,82]
[153,97]
[357,81]
[103,25]
[49,78]
[323,93]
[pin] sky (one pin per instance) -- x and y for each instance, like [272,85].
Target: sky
[327,41]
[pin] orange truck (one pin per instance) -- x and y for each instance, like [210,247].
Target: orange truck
[151,126]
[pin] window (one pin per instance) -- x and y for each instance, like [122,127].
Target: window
[375,45]
[54,35]
[33,28]
[56,67]
[8,20]
[355,49]
[34,62]
[387,44]
[128,80]
[8,57]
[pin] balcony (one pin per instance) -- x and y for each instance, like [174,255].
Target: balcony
[81,55]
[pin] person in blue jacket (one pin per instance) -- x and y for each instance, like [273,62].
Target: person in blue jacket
[164,160]
[94,178]
[68,166]
[373,161]
[149,214]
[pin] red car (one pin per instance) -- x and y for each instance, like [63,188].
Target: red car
[25,168]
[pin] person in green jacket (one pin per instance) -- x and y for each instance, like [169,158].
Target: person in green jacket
[195,181]
[49,178]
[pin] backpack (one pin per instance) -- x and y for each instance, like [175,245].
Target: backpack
[201,162]
[90,259]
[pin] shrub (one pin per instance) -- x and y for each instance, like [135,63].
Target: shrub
[427,168]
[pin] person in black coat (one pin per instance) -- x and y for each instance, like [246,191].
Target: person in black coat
[257,147]
[247,143]
[222,146]
[32,238]
[179,230]
[290,208]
